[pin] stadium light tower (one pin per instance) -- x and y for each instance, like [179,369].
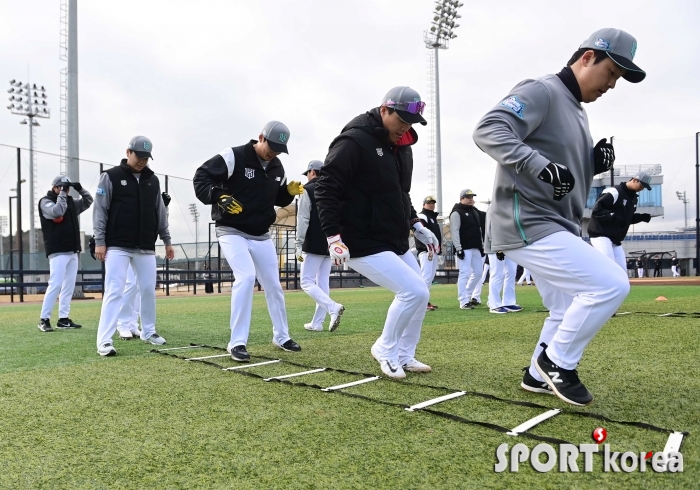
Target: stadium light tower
[436,38]
[681,197]
[195,217]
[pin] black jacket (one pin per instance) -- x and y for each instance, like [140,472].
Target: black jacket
[237,172]
[315,241]
[363,191]
[132,220]
[613,213]
[63,236]
[434,226]
[471,232]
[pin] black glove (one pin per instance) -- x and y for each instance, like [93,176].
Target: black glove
[166,198]
[500,255]
[460,254]
[603,156]
[646,217]
[76,186]
[66,188]
[91,245]
[559,177]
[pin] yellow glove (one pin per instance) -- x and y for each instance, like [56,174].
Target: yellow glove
[229,205]
[295,188]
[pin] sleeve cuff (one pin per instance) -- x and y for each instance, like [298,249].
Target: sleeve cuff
[99,243]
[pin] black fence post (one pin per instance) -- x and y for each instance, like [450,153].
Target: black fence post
[19,223]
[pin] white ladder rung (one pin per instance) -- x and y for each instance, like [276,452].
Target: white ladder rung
[673,444]
[285,376]
[179,348]
[525,426]
[435,401]
[206,357]
[348,385]
[244,366]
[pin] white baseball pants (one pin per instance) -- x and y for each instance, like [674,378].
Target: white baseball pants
[580,287]
[428,268]
[63,272]
[674,269]
[640,272]
[130,308]
[466,281]
[476,294]
[248,259]
[116,266]
[502,281]
[526,277]
[400,274]
[614,252]
[315,274]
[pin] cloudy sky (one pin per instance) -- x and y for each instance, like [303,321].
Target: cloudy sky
[197,77]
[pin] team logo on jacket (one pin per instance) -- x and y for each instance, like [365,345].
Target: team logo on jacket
[380,152]
[514,105]
[250,173]
[123,182]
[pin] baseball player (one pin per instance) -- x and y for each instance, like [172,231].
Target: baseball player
[539,136]
[60,228]
[243,185]
[502,285]
[526,277]
[366,213]
[429,262]
[312,252]
[640,267]
[129,215]
[612,215]
[674,266]
[465,227]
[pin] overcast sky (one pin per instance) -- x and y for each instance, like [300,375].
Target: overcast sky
[197,77]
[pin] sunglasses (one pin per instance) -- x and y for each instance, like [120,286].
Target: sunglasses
[411,107]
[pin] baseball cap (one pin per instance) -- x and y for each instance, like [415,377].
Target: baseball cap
[644,178]
[142,146]
[407,103]
[466,193]
[277,136]
[429,199]
[60,180]
[620,47]
[314,165]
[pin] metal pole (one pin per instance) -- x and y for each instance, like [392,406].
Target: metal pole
[697,205]
[72,133]
[12,264]
[167,262]
[438,149]
[19,223]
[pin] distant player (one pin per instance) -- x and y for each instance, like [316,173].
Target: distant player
[526,277]
[429,261]
[466,231]
[674,266]
[476,294]
[640,267]
[502,285]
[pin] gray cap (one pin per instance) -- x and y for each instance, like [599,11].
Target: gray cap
[620,47]
[407,103]
[314,165]
[644,178]
[142,146]
[277,136]
[60,181]
[466,193]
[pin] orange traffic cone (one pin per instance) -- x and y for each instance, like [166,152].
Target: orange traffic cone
[661,298]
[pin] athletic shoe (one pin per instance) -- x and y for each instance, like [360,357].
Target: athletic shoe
[125,334]
[429,307]
[335,319]
[513,308]
[499,311]
[310,327]
[67,323]
[415,366]
[475,302]
[432,306]
[155,339]
[106,349]
[136,333]
[529,383]
[468,306]
[289,346]
[240,354]
[45,325]
[390,367]
[564,382]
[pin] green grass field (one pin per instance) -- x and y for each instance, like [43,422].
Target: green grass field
[71,419]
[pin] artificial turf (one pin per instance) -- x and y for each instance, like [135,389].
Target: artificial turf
[72,419]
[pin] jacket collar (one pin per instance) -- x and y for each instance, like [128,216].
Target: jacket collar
[251,158]
[146,172]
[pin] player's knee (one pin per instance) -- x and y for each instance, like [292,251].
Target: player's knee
[620,283]
[245,280]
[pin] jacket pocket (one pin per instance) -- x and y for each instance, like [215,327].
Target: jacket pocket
[517,218]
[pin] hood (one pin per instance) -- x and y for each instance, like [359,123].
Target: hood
[146,172]
[460,206]
[371,123]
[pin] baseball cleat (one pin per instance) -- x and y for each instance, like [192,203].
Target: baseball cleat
[468,306]
[240,354]
[513,308]
[45,325]
[335,318]
[564,382]
[389,367]
[499,311]
[67,323]
[136,333]
[430,305]
[125,334]
[155,339]
[475,302]
[310,327]
[289,346]
[415,366]
[529,383]
[106,349]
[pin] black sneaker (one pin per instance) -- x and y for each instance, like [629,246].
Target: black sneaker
[289,346]
[475,302]
[431,306]
[45,325]
[564,382]
[240,354]
[67,323]
[529,383]
[468,306]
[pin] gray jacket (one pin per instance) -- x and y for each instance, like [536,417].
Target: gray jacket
[52,210]
[539,122]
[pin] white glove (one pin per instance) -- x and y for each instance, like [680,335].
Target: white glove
[338,250]
[299,255]
[427,237]
[441,260]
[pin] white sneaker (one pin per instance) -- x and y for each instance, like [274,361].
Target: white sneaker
[125,334]
[390,367]
[155,339]
[335,318]
[310,327]
[415,366]
[136,333]
[106,349]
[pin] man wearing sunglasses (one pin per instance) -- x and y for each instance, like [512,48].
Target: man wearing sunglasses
[365,211]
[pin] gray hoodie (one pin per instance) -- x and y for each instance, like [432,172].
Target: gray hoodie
[539,122]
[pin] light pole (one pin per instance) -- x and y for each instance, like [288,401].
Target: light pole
[3,225]
[195,217]
[681,197]
[436,38]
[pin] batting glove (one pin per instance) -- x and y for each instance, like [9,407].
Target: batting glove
[603,156]
[427,237]
[299,255]
[166,198]
[295,188]
[92,247]
[460,254]
[338,250]
[227,204]
[559,177]
[646,217]
[500,255]
[76,186]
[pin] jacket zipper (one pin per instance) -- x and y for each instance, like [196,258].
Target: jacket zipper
[516,205]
